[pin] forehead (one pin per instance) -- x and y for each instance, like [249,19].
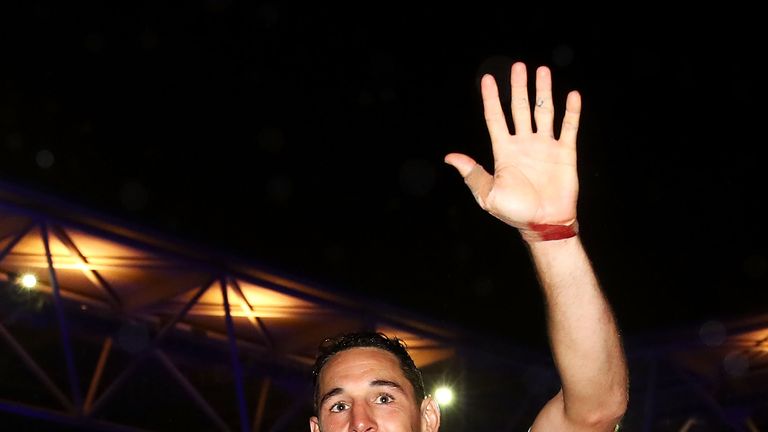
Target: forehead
[361,363]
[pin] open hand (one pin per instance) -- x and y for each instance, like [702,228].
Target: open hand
[534,179]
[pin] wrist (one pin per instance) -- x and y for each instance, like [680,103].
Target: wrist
[546,232]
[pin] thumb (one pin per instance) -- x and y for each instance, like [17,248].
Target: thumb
[461,162]
[475,176]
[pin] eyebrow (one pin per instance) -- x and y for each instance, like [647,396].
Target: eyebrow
[385,383]
[374,383]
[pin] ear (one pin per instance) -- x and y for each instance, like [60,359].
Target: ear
[430,415]
[314,424]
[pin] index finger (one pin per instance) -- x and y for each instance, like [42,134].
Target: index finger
[494,115]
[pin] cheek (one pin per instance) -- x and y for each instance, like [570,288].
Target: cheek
[397,415]
[333,422]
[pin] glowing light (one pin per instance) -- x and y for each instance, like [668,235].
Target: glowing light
[28,280]
[443,396]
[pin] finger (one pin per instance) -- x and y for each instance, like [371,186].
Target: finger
[475,176]
[494,115]
[480,183]
[571,119]
[544,111]
[461,162]
[521,109]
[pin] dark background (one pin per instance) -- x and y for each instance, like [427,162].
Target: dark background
[310,139]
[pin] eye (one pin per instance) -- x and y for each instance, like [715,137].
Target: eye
[384,399]
[339,407]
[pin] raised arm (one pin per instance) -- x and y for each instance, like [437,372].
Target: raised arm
[534,188]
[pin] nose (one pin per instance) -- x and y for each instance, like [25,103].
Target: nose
[362,420]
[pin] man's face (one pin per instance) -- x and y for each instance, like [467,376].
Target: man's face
[364,390]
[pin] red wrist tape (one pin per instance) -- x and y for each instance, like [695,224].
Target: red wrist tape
[546,232]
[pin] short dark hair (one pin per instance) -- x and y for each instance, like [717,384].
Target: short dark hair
[367,339]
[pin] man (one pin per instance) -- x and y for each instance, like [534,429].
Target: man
[366,382]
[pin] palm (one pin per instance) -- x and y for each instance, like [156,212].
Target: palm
[534,181]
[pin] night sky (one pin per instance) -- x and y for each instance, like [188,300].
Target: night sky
[310,139]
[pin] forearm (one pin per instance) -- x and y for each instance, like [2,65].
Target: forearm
[583,333]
